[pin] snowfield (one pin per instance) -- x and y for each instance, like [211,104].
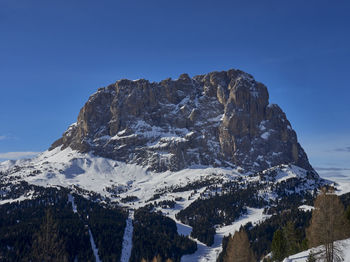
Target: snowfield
[69,168]
[302,256]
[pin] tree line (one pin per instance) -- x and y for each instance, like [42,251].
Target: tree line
[328,223]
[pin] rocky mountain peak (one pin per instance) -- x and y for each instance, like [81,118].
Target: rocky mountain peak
[219,119]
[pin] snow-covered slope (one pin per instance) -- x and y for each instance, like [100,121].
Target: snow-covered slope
[207,254]
[134,186]
[118,180]
[344,246]
[127,239]
[107,177]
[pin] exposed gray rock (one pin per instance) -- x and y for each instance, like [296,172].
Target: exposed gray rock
[220,119]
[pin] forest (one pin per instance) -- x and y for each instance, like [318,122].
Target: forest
[156,236]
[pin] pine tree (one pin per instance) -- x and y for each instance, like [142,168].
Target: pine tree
[238,248]
[48,246]
[311,257]
[328,224]
[278,246]
[291,238]
[304,244]
[347,213]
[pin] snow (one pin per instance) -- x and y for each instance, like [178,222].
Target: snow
[205,253]
[217,118]
[262,125]
[287,172]
[118,137]
[344,245]
[94,248]
[27,196]
[146,130]
[93,245]
[183,229]
[283,176]
[122,132]
[69,168]
[71,200]
[265,135]
[306,208]
[165,141]
[127,239]
[70,129]
[190,134]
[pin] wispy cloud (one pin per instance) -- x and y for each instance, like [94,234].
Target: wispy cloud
[343,149]
[331,169]
[17,155]
[334,173]
[8,137]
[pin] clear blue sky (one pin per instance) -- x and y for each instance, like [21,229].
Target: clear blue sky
[54,54]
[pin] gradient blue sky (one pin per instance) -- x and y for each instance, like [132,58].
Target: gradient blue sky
[54,54]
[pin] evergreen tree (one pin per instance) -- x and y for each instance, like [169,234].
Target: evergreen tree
[347,213]
[278,246]
[238,248]
[291,238]
[311,257]
[304,245]
[328,224]
[48,245]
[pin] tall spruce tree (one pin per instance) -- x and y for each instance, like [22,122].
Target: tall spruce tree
[291,238]
[238,248]
[328,224]
[279,246]
[48,245]
[311,257]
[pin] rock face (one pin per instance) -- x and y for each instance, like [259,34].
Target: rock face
[220,119]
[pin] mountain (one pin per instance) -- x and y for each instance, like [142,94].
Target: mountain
[219,119]
[178,164]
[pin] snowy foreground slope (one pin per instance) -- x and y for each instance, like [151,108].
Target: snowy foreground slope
[120,181]
[302,256]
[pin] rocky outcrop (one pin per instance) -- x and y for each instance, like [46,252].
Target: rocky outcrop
[220,119]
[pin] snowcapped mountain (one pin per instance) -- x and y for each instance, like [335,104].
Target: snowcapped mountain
[220,119]
[177,147]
